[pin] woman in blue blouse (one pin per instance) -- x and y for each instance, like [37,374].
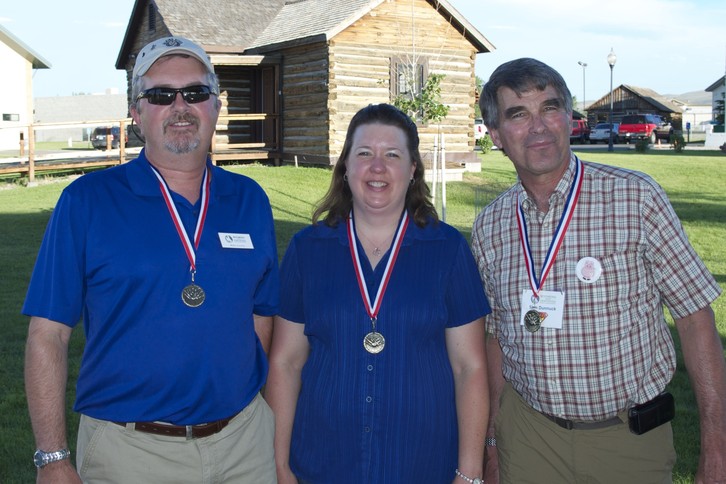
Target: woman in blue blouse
[377,367]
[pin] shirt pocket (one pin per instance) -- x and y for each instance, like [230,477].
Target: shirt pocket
[617,298]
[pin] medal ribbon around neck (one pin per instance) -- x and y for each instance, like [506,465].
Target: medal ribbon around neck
[186,243]
[375,307]
[559,236]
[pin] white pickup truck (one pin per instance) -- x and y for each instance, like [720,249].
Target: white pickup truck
[479,129]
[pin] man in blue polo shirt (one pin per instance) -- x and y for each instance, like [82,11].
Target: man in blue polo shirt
[171,264]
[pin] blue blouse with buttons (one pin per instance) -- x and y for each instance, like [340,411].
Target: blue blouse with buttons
[388,417]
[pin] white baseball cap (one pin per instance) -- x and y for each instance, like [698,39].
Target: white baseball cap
[158,48]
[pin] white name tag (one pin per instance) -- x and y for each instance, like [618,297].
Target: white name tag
[550,305]
[235,241]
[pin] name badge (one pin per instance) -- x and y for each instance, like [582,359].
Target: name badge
[235,241]
[548,306]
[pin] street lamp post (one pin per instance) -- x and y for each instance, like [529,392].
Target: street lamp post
[583,64]
[611,61]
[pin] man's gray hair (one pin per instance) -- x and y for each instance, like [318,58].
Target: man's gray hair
[520,75]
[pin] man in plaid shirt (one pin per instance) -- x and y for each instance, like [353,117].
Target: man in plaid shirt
[578,260]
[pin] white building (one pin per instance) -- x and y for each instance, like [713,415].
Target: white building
[17,62]
[718,93]
[101,109]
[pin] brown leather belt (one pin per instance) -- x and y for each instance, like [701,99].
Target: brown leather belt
[187,431]
[574,425]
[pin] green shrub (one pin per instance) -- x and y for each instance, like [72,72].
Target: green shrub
[485,143]
[642,146]
[678,142]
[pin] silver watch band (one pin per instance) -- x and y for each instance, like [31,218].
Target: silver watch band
[490,442]
[42,458]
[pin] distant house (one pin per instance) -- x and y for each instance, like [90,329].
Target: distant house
[718,95]
[294,72]
[635,100]
[718,89]
[17,62]
[717,137]
[697,116]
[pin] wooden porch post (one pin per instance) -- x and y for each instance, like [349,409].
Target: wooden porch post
[31,154]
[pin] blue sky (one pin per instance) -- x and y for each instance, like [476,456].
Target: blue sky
[671,46]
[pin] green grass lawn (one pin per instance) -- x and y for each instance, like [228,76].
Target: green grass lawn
[693,180]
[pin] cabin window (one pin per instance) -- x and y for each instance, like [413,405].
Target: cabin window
[11,117]
[407,76]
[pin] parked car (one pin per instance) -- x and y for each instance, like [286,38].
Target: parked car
[580,130]
[645,126]
[602,132]
[99,137]
[99,142]
[479,129]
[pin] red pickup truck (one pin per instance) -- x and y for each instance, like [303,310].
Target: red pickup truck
[644,126]
[580,131]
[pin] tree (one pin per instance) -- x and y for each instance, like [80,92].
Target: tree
[718,112]
[479,86]
[425,106]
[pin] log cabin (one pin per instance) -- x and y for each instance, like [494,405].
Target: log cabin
[293,72]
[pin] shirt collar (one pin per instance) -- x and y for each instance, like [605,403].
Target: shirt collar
[430,231]
[561,190]
[144,183]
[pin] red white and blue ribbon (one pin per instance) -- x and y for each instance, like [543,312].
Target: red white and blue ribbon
[559,236]
[189,248]
[374,307]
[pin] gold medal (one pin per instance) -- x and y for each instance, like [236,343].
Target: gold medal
[193,295]
[374,342]
[532,321]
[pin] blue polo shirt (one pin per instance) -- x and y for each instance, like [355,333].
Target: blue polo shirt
[111,255]
[388,417]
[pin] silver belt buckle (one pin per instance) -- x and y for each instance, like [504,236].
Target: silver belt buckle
[190,432]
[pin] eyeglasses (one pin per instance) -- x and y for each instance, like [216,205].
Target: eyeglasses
[164,96]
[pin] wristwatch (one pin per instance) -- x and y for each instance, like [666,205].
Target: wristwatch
[475,480]
[42,459]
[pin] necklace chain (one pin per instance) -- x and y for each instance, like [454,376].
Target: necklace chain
[376,250]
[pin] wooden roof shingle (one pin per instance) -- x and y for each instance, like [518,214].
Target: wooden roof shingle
[662,103]
[250,26]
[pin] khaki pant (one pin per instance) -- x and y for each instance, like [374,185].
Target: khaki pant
[533,449]
[241,453]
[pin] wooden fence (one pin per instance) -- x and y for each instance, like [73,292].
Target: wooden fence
[263,145]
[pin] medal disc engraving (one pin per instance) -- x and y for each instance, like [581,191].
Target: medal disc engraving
[532,321]
[193,295]
[374,342]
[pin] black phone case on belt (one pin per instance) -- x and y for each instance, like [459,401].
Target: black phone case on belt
[649,415]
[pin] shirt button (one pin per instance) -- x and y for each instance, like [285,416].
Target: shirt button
[370,367]
[369,399]
[367,429]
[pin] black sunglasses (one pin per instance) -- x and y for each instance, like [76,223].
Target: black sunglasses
[165,96]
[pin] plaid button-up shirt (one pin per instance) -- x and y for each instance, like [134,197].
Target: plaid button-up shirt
[614,348]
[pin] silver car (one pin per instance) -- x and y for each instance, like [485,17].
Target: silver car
[601,132]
